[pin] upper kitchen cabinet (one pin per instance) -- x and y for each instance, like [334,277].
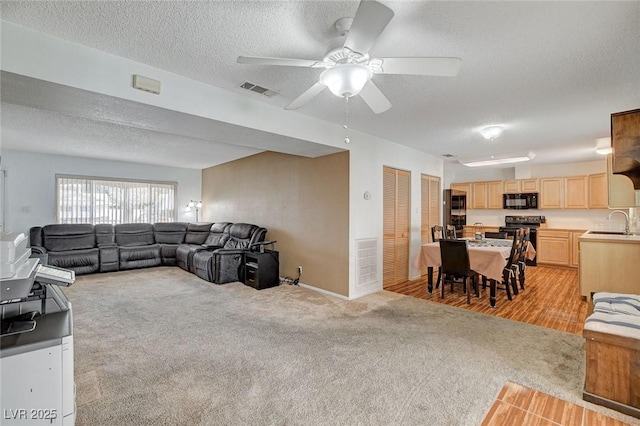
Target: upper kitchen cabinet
[598,192]
[466,187]
[479,195]
[551,193]
[521,185]
[623,165]
[576,192]
[494,194]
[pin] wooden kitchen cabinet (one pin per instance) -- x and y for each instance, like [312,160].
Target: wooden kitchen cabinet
[466,187]
[521,185]
[511,186]
[478,195]
[551,193]
[609,264]
[529,185]
[598,191]
[494,194]
[575,248]
[576,192]
[554,247]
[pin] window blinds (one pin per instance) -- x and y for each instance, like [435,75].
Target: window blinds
[98,200]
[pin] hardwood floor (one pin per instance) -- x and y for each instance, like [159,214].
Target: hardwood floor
[519,405]
[550,299]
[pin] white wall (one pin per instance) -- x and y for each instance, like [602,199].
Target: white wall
[368,156]
[30,184]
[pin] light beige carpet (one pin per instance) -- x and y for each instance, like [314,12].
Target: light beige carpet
[161,346]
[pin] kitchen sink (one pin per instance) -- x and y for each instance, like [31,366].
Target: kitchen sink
[607,232]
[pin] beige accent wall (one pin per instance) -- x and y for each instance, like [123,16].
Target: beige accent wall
[303,203]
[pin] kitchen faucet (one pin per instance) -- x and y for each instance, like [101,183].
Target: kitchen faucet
[627,231]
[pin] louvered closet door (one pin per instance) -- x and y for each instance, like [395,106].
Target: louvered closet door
[396,226]
[430,208]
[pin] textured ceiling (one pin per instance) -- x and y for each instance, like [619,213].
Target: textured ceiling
[551,72]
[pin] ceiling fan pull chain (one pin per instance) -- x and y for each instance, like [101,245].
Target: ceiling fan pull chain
[346,119]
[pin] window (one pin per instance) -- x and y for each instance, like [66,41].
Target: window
[83,199]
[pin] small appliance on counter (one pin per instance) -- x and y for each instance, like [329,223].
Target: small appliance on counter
[36,344]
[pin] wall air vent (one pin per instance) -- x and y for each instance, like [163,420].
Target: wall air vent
[258,89]
[146,84]
[366,261]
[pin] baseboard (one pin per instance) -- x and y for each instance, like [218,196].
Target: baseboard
[614,405]
[320,290]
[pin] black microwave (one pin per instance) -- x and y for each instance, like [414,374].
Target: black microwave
[520,201]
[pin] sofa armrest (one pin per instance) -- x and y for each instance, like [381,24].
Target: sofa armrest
[38,250]
[109,257]
[226,265]
[211,247]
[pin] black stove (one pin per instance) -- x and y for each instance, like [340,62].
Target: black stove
[511,223]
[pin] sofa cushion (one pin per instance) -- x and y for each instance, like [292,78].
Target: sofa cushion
[169,232]
[134,234]
[72,236]
[105,233]
[139,256]
[240,235]
[82,261]
[197,233]
[218,234]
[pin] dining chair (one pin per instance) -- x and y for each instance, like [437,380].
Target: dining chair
[522,256]
[450,232]
[510,270]
[454,256]
[437,233]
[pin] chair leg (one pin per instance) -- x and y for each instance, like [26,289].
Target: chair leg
[468,289]
[522,266]
[514,283]
[506,275]
[439,278]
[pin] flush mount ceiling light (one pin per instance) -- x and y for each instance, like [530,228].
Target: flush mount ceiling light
[603,146]
[496,160]
[346,80]
[491,132]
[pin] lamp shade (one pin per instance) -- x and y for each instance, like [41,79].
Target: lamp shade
[346,80]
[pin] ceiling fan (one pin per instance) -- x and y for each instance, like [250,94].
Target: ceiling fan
[348,67]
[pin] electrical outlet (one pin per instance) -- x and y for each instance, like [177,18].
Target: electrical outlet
[299,270]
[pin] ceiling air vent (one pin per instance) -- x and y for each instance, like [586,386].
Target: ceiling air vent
[258,89]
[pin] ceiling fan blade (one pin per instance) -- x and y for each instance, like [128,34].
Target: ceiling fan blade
[446,67]
[373,97]
[306,96]
[370,20]
[259,60]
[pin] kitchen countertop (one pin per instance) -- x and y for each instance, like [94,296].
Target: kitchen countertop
[614,238]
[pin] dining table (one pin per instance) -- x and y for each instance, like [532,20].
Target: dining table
[487,257]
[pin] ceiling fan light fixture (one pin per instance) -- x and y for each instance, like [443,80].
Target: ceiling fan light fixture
[491,132]
[346,80]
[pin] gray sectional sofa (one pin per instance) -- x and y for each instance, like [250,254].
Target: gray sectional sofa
[212,251]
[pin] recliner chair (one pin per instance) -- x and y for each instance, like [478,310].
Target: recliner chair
[196,235]
[223,265]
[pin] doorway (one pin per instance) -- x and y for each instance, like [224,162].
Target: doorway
[396,211]
[430,208]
